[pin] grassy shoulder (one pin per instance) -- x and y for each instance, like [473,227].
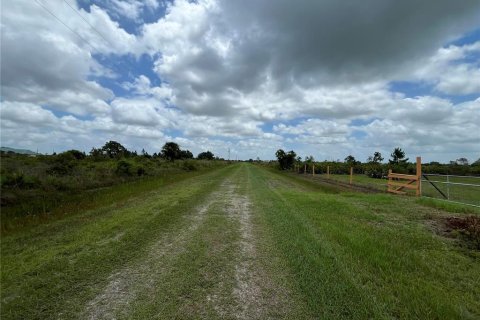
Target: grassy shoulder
[40,189]
[358,256]
[51,270]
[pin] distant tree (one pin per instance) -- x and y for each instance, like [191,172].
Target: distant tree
[285,159]
[350,160]
[97,153]
[113,149]
[206,156]
[145,154]
[79,155]
[374,167]
[476,163]
[462,161]
[376,158]
[398,157]
[171,151]
[186,154]
[309,159]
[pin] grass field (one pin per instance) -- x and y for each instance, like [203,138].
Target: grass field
[243,242]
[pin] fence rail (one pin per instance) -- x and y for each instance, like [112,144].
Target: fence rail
[452,188]
[412,182]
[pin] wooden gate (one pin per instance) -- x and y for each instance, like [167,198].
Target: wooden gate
[406,181]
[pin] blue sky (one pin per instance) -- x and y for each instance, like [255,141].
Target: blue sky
[244,76]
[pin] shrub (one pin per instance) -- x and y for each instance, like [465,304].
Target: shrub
[19,180]
[189,166]
[141,171]
[124,168]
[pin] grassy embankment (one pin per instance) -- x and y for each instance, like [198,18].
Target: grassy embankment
[338,254]
[36,189]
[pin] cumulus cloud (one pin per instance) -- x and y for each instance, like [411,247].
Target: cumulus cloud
[247,75]
[143,112]
[453,70]
[45,63]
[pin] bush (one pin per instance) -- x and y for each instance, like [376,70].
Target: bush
[124,168]
[19,180]
[189,166]
[141,171]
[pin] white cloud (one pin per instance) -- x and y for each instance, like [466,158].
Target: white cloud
[142,112]
[230,71]
[448,71]
[26,113]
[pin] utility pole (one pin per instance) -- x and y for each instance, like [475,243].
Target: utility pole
[228,153]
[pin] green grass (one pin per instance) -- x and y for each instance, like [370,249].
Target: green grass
[54,268]
[367,256]
[38,205]
[334,254]
[459,193]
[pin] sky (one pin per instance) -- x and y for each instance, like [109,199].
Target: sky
[325,78]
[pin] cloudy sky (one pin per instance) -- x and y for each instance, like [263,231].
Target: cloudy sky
[325,78]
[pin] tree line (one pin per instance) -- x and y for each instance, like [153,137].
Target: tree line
[374,166]
[170,151]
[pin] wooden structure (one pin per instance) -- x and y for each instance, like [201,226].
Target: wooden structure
[406,181]
[351,175]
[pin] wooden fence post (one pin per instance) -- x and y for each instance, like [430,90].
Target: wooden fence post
[389,179]
[305,169]
[328,171]
[313,169]
[419,176]
[351,174]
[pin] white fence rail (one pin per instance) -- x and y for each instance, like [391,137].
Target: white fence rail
[452,188]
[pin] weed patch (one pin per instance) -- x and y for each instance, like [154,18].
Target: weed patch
[467,228]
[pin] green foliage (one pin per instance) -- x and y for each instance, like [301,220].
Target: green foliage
[285,159]
[189,165]
[350,160]
[113,149]
[19,180]
[205,156]
[171,151]
[78,155]
[124,168]
[38,185]
[186,154]
[376,158]
[398,157]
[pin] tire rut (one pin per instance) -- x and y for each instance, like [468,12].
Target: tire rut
[124,285]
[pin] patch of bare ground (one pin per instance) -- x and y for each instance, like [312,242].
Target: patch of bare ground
[257,295]
[464,230]
[123,286]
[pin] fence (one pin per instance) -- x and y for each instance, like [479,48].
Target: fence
[397,183]
[452,188]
